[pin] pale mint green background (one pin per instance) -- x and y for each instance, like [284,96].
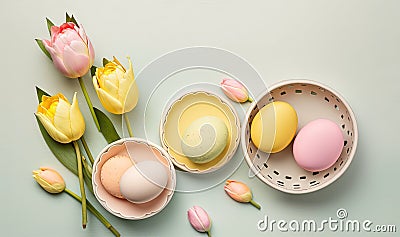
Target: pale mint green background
[354,46]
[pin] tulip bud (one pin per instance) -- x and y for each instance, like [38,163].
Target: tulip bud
[49,179]
[70,49]
[63,121]
[199,219]
[116,87]
[235,90]
[239,192]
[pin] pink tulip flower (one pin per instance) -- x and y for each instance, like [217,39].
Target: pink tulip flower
[70,49]
[199,219]
[235,90]
[240,192]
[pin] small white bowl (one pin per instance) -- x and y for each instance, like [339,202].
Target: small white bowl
[311,100]
[138,150]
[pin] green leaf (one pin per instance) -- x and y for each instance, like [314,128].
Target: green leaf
[67,17]
[70,18]
[41,46]
[65,153]
[93,70]
[106,126]
[40,93]
[105,61]
[49,24]
[74,20]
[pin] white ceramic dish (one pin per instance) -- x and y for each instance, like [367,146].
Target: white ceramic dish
[311,100]
[184,110]
[138,150]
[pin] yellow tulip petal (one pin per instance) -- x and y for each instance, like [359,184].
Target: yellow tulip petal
[95,82]
[131,98]
[131,92]
[97,76]
[48,101]
[130,70]
[124,84]
[77,121]
[115,60]
[45,97]
[52,130]
[62,119]
[110,87]
[111,104]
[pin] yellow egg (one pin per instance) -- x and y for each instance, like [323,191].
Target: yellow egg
[274,127]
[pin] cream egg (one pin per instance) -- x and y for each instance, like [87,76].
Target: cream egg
[205,139]
[144,181]
[318,145]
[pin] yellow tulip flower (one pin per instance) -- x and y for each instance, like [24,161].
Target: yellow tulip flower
[116,87]
[63,121]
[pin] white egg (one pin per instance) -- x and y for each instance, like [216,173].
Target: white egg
[144,181]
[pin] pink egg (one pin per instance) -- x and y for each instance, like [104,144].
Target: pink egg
[318,145]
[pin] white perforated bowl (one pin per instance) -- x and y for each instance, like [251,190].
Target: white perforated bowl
[311,100]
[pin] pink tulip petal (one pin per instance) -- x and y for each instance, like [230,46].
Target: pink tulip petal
[54,31]
[82,33]
[46,43]
[199,219]
[235,93]
[49,48]
[59,64]
[68,36]
[234,90]
[202,215]
[77,64]
[57,61]
[195,221]
[67,26]
[58,46]
[91,52]
[79,47]
[231,82]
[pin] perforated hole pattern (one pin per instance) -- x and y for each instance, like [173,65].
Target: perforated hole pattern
[311,101]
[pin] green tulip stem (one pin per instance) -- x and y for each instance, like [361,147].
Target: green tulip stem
[81,184]
[86,168]
[87,150]
[255,204]
[89,102]
[92,209]
[128,124]
[208,233]
[250,99]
